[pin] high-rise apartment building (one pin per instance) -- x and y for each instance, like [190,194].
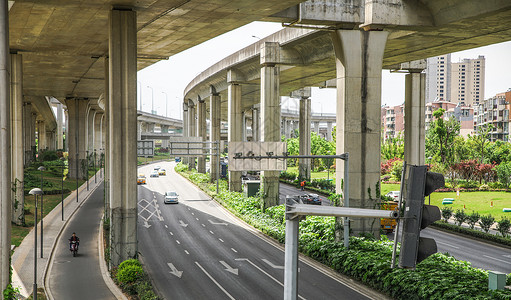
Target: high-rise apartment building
[467,81]
[438,78]
[495,112]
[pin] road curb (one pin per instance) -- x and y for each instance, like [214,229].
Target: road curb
[103,267]
[49,264]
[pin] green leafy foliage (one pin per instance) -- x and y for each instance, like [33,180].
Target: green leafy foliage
[132,279]
[129,273]
[460,216]
[503,226]
[486,221]
[472,219]
[446,213]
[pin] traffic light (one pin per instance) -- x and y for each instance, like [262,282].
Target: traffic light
[417,215]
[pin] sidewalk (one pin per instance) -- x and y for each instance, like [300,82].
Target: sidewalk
[22,260]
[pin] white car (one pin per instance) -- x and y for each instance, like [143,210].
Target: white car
[394,195]
[154,173]
[171,197]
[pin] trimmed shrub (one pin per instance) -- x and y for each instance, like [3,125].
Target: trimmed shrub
[472,219]
[460,216]
[129,273]
[446,213]
[486,222]
[130,262]
[503,226]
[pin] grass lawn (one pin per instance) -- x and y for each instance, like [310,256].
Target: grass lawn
[314,175]
[144,160]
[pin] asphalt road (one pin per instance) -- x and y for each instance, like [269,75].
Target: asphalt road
[195,250]
[80,277]
[287,189]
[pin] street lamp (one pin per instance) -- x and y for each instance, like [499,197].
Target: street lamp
[166,105]
[35,192]
[87,169]
[62,166]
[41,168]
[152,100]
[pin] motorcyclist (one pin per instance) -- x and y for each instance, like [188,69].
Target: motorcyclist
[74,238]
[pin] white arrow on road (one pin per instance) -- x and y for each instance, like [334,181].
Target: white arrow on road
[229,268]
[215,223]
[272,265]
[182,223]
[146,225]
[174,271]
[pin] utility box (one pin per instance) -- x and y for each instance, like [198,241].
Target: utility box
[496,280]
[251,187]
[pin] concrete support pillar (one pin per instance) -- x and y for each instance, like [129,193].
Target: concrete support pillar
[255,124]
[60,127]
[201,131]
[51,141]
[234,133]
[33,128]
[270,115]
[186,129]
[359,56]
[329,131]
[17,152]
[77,137]
[98,133]
[304,164]
[288,128]
[192,129]
[27,134]
[150,127]
[243,126]
[316,127]
[90,130]
[139,130]
[214,130]
[106,136]
[5,149]
[66,132]
[415,117]
[164,128]
[41,136]
[122,145]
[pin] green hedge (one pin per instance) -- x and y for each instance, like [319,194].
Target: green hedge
[132,279]
[438,277]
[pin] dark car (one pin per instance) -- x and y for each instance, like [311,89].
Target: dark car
[310,199]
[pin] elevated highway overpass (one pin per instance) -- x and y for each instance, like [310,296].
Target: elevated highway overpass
[86,55]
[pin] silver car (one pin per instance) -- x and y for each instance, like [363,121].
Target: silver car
[171,197]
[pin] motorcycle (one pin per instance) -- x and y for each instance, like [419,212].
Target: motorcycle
[74,248]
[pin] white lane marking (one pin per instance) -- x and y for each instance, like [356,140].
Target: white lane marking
[146,225]
[203,225]
[193,214]
[448,245]
[504,261]
[234,250]
[171,233]
[272,265]
[229,268]
[182,223]
[211,232]
[197,219]
[215,223]
[188,253]
[166,226]
[265,273]
[221,240]
[213,279]
[174,271]
[178,242]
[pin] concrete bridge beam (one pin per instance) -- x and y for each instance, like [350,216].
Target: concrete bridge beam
[359,56]
[122,146]
[201,131]
[17,139]
[270,115]
[214,130]
[235,123]
[77,138]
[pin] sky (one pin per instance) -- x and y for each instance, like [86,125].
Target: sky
[161,85]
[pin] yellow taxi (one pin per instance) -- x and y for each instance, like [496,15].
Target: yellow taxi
[141,179]
[162,172]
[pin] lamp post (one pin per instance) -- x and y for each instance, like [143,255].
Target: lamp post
[166,105]
[76,173]
[152,100]
[41,168]
[35,192]
[429,169]
[87,169]
[63,165]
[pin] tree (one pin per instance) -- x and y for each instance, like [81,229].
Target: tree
[472,219]
[481,139]
[441,136]
[486,222]
[460,216]
[446,213]
[503,226]
[392,147]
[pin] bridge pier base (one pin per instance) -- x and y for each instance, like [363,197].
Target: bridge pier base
[359,57]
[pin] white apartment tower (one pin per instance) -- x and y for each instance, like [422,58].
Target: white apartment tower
[438,78]
[467,81]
